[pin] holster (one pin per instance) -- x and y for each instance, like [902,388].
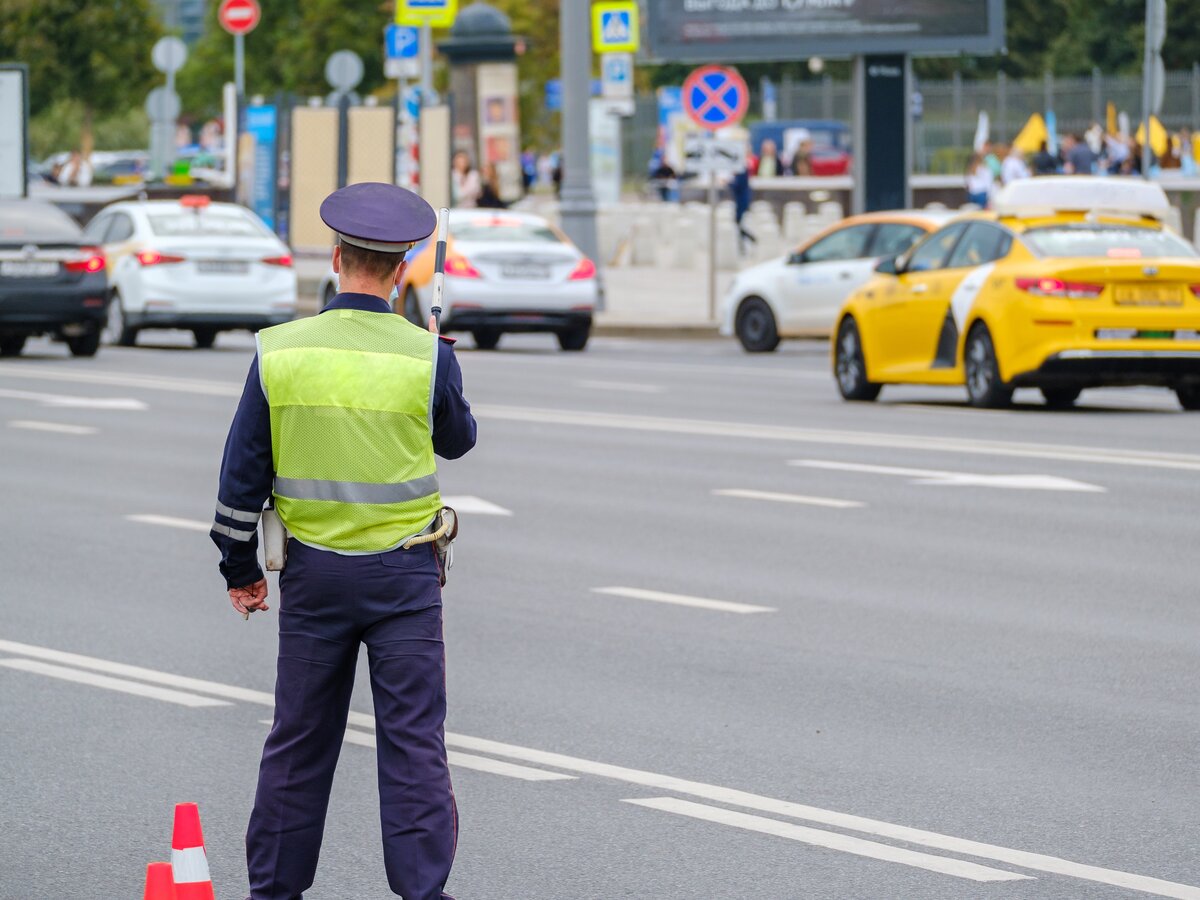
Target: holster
[274,540]
[444,531]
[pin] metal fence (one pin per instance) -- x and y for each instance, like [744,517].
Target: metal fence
[944,131]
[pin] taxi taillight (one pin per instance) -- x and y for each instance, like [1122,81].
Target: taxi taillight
[1056,287]
[93,261]
[460,268]
[284,261]
[154,258]
[585,271]
[1195,289]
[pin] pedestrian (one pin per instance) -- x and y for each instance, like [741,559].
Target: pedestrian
[489,189]
[1187,153]
[768,160]
[979,181]
[77,171]
[802,159]
[465,186]
[739,186]
[339,422]
[1013,167]
[1045,162]
[663,177]
[1078,157]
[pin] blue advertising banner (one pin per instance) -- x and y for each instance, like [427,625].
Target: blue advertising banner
[262,125]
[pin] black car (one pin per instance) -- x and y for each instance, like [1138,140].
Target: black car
[51,281]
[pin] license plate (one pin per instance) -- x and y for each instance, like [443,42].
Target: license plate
[1148,295]
[525,272]
[22,269]
[222,267]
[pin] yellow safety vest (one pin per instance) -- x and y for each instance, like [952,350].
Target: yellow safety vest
[351,398]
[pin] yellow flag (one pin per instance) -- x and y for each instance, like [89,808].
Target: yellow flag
[1110,118]
[1032,134]
[1159,139]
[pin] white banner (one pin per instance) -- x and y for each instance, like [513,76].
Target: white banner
[13,119]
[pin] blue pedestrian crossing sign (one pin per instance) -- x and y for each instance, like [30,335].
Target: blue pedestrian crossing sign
[615,27]
[715,97]
[402,42]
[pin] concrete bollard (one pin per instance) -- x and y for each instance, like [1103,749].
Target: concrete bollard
[793,220]
[688,240]
[727,245]
[831,209]
[645,241]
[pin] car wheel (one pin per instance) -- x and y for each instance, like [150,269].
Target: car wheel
[984,387]
[755,326]
[85,344]
[1061,398]
[12,345]
[205,337]
[115,330]
[1189,396]
[412,307]
[486,338]
[849,365]
[574,338]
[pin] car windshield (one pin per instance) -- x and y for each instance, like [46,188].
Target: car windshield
[1112,241]
[36,222]
[489,230]
[204,224]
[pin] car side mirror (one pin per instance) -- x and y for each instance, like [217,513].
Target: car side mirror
[795,259]
[890,265]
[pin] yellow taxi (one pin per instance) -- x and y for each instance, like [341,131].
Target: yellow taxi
[1070,283]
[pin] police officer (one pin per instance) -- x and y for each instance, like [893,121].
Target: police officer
[340,419]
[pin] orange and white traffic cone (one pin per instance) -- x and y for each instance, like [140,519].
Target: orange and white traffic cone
[188,860]
[160,883]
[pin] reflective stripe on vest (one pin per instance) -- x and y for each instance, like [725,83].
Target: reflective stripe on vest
[351,399]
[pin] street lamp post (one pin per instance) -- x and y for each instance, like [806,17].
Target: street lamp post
[578,202]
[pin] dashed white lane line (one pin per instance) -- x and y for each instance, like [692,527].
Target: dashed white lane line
[828,502]
[939,478]
[829,839]
[112,684]
[728,796]
[170,522]
[630,387]
[56,427]
[475,506]
[61,400]
[682,600]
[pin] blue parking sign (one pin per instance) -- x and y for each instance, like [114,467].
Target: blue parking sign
[402,42]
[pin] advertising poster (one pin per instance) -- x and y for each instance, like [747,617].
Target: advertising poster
[262,126]
[14,117]
[499,132]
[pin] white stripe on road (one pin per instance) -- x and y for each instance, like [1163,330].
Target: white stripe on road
[940,478]
[475,506]
[829,502]
[171,522]
[60,400]
[829,839]
[630,387]
[112,684]
[127,379]
[746,431]
[714,793]
[682,600]
[57,427]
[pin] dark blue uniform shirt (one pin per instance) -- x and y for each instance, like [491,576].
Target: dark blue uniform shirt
[247,473]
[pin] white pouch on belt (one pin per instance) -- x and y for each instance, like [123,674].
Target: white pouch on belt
[274,540]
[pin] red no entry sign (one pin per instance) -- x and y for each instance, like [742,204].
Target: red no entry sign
[715,96]
[239,16]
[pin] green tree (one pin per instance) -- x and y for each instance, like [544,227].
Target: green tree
[97,54]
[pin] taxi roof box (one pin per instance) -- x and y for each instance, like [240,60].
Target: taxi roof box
[1052,194]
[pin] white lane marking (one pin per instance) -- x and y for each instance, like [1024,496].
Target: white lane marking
[745,431]
[56,427]
[621,386]
[127,379]
[171,522]
[958,479]
[112,684]
[728,796]
[475,506]
[777,369]
[829,502]
[829,839]
[115,668]
[470,761]
[682,600]
[63,401]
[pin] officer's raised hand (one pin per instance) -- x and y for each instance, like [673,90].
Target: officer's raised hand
[251,598]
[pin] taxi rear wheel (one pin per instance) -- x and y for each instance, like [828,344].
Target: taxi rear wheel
[486,338]
[204,337]
[849,365]
[115,330]
[1061,398]
[755,326]
[984,386]
[1189,396]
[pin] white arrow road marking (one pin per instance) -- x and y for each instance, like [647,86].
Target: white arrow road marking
[958,479]
[728,796]
[112,684]
[829,502]
[475,506]
[62,400]
[57,427]
[682,600]
[171,522]
[829,839]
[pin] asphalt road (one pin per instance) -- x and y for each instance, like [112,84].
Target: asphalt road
[711,632]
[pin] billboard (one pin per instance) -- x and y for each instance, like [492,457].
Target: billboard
[14,130]
[763,30]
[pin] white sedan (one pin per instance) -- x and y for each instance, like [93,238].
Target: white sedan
[192,264]
[799,295]
[506,271]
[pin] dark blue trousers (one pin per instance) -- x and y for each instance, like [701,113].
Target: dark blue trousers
[330,604]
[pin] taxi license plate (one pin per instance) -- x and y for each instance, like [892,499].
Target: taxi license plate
[23,269]
[525,272]
[222,267]
[1148,295]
